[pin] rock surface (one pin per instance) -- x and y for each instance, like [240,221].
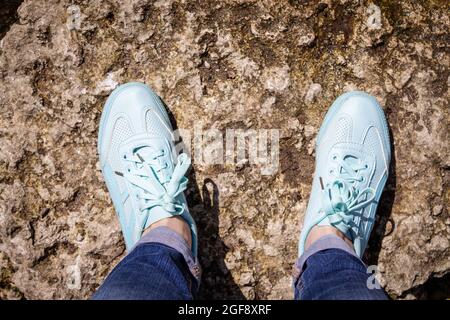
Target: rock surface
[222,64]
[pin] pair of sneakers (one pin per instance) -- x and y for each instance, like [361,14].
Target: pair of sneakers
[146,177]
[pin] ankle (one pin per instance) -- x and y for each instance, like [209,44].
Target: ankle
[176,224]
[318,232]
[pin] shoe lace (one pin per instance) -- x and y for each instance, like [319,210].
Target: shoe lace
[341,199]
[154,186]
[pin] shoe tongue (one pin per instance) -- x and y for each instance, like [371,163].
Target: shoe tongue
[156,213]
[351,160]
[147,153]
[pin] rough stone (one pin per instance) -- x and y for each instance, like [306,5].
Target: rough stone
[229,64]
[314,90]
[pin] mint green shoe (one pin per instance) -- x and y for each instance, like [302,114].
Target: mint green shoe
[352,164]
[144,175]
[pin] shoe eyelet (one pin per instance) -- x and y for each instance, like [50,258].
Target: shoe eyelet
[129,170]
[362,179]
[124,156]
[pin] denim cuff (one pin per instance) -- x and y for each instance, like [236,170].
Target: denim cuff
[170,238]
[329,241]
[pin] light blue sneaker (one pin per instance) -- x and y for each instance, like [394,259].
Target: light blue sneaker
[141,168]
[352,164]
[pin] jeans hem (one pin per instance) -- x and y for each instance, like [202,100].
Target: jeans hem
[170,238]
[330,241]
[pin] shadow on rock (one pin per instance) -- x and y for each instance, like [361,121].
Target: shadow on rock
[217,282]
[8,15]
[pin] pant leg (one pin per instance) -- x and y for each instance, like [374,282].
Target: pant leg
[330,271]
[156,269]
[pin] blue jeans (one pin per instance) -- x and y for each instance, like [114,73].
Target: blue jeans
[161,267]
